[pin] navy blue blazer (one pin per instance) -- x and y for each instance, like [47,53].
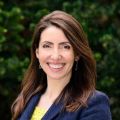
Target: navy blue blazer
[98,109]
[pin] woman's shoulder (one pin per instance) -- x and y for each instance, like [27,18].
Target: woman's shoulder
[97,97]
[98,107]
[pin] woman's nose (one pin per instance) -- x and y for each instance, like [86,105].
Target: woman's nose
[56,54]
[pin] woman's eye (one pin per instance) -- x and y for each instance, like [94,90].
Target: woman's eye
[46,46]
[67,47]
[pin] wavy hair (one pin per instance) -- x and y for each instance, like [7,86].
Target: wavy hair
[82,83]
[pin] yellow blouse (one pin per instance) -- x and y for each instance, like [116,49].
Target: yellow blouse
[38,113]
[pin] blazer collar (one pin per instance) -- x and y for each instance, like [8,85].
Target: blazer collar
[27,112]
[54,110]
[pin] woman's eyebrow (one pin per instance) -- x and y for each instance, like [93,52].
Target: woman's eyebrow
[61,43]
[48,42]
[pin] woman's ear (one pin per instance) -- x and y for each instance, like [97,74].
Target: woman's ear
[37,53]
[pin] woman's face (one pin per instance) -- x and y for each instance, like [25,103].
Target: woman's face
[55,54]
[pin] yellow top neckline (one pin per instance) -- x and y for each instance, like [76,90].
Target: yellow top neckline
[38,113]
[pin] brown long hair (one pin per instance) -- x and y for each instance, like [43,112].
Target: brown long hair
[82,83]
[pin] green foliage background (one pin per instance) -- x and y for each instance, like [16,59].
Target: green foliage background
[101,22]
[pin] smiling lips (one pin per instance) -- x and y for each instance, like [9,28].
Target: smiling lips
[56,66]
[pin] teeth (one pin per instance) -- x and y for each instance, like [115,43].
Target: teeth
[56,66]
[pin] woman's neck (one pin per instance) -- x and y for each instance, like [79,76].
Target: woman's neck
[53,90]
[55,87]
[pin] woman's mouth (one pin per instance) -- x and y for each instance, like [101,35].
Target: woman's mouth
[56,66]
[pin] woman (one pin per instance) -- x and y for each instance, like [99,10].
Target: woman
[60,81]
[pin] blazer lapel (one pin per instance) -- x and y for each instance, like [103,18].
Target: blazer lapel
[26,115]
[53,111]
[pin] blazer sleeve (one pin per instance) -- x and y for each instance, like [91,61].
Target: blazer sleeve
[98,108]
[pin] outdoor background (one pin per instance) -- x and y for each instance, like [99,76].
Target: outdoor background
[101,22]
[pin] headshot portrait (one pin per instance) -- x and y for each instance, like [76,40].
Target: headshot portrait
[60,81]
